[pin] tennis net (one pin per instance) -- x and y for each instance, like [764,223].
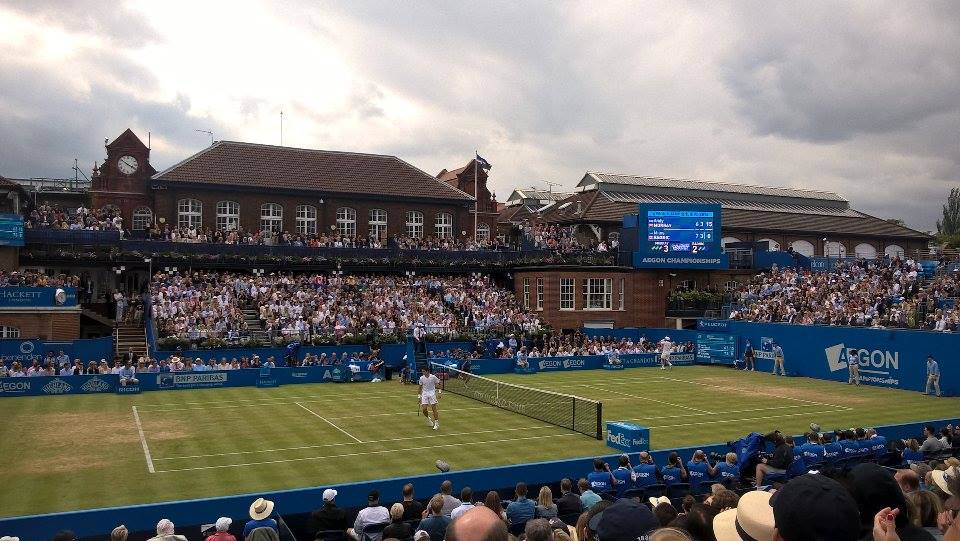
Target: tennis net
[567,411]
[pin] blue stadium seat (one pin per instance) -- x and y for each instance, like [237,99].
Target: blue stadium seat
[654,491]
[331,535]
[678,490]
[373,532]
[634,493]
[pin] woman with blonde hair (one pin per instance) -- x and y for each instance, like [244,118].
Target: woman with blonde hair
[397,529]
[545,506]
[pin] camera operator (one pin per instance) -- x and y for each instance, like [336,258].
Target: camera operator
[699,469]
[647,473]
[812,451]
[601,478]
[779,461]
[673,472]
[728,468]
[831,447]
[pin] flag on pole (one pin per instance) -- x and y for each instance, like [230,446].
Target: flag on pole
[484,164]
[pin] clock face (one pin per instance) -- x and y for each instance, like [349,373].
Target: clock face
[128,165]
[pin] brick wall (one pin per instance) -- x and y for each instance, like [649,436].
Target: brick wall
[644,297]
[44,325]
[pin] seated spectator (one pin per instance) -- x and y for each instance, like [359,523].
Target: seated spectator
[699,470]
[435,523]
[329,517]
[623,476]
[728,470]
[538,529]
[128,375]
[811,451]
[947,482]
[480,523]
[545,506]
[622,520]
[165,530]
[412,509]
[466,502]
[778,462]
[222,533]
[673,472]
[813,506]
[521,509]
[752,516]
[260,511]
[932,444]
[397,529]
[371,515]
[665,512]
[120,533]
[908,480]
[588,497]
[874,488]
[722,500]
[492,502]
[601,479]
[568,503]
[449,502]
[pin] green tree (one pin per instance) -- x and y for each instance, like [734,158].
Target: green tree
[948,229]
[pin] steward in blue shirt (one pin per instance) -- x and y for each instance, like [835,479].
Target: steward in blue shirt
[623,476]
[849,446]
[877,443]
[600,479]
[647,473]
[699,469]
[811,451]
[673,472]
[831,450]
[728,469]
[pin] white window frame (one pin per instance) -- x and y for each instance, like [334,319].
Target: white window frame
[414,228]
[526,293]
[539,293]
[347,221]
[444,225]
[142,219]
[228,216]
[189,213]
[271,217]
[568,294]
[598,294]
[306,219]
[623,294]
[377,224]
[7,331]
[483,232]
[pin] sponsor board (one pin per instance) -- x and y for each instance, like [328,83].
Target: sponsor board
[192,380]
[628,437]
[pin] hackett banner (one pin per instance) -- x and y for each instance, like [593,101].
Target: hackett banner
[37,297]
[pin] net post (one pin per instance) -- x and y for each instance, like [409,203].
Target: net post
[599,420]
[573,420]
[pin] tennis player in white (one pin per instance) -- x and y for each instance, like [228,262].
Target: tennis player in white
[428,394]
[666,348]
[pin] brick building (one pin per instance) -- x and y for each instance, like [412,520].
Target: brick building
[265,187]
[464,179]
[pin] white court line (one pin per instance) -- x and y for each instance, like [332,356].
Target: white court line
[143,441]
[728,388]
[712,422]
[174,406]
[648,399]
[445,435]
[661,417]
[324,419]
[366,453]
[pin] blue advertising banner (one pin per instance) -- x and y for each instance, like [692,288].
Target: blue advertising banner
[37,297]
[886,357]
[713,325]
[628,437]
[26,351]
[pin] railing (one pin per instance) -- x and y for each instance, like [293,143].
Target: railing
[70,236]
[56,184]
[685,308]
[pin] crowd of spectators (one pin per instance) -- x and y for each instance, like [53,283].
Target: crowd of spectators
[565,345]
[561,239]
[862,293]
[48,216]
[37,279]
[203,304]
[839,492]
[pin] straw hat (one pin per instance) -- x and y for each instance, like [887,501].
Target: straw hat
[752,519]
[942,478]
[261,509]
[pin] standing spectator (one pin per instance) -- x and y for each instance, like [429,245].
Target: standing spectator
[164,532]
[371,515]
[545,506]
[449,502]
[397,529]
[521,509]
[569,503]
[466,503]
[412,509]
[933,375]
[435,523]
[588,497]
[329,517]
[223,533]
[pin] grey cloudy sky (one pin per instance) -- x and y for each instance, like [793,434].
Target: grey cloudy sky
[861,98]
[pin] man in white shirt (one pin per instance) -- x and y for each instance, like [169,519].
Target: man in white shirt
[466,497]
[428,394]
[373,513]
[666,348]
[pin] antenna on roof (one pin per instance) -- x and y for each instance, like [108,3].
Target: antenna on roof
[281,127]
[208,132]
[550,185]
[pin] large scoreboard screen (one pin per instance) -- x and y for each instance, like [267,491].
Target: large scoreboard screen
[716,348]
[679,235]
[11,230]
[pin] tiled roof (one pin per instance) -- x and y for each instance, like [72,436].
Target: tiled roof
[599,208]
[763,205]
[706,186]
[230,163]
[539,195]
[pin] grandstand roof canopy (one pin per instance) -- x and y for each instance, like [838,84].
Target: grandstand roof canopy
[232,163]
[524,203]
[606,198]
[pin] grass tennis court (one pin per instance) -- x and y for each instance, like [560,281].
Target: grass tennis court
[84,451]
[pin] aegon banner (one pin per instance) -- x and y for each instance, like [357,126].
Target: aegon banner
[34,297]
[887,357]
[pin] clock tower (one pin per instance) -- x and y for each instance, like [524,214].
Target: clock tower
[123,180]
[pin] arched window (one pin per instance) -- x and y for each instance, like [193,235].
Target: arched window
[866,251]
[893,250]
[306,219]
[727,240]
[444,225]
[271,217]
[414,224]
[833,248]
[378,224]
[483,232]
[347,221]
[9,332]
[142,218]
[773,245]
[228,215]
[802,247]
[189,213]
